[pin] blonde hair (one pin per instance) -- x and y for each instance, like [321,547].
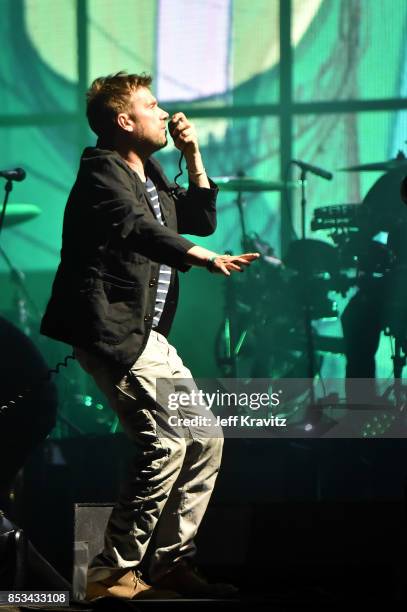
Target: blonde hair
[110,95]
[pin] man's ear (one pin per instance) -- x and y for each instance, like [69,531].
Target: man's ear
[124,121]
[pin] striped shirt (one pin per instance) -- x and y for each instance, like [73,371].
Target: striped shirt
[164,275]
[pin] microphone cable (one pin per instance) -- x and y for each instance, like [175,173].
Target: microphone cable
[13,403]
[181,171]
[171,127]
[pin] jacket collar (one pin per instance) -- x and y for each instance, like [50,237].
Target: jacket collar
[153,170]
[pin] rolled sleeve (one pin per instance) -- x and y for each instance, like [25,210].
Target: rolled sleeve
[196,209]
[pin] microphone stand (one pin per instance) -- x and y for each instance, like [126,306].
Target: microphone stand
[24,301]
[309,337]
[303,181]
[7,188]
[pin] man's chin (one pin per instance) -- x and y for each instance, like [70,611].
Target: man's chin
[163,143]
[154,146]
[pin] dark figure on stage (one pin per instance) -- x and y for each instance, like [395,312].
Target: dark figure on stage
[381,300]
[114,298]
[25,424]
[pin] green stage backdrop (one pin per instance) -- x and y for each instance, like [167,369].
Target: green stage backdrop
[220,61]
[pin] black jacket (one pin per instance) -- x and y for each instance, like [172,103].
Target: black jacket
[105,287]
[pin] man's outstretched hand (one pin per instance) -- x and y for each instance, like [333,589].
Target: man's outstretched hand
[225,264]
[219,264]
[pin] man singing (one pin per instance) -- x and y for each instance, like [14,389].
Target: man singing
[113,299]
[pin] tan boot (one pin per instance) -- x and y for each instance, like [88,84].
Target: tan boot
[186,580]
[126,584]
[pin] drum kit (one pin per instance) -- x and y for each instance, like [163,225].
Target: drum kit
[272,311]
[269,328]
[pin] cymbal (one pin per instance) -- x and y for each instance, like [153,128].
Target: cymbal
[384,166]
[18,213]
[245,183]
[311,257]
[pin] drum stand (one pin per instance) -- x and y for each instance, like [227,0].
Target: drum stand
[23,300]
[232,342]
[309,335]
[229,361]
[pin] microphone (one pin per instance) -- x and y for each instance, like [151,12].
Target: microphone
[313,169]
[16,174]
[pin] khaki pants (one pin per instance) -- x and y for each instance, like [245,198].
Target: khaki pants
[172,476]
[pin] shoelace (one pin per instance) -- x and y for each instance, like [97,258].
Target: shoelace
[137,577]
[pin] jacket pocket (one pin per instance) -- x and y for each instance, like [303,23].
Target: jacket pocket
[119,302]
[116,281]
